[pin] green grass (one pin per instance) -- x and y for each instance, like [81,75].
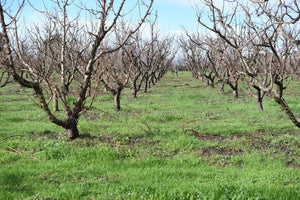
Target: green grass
[182,140]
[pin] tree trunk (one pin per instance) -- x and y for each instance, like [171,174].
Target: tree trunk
[90,88]
[222,87]
[235,93]
[234,87]
[149,83]
[73,132]
[288,111]
[146,80]
[259,97]
[235,90]
[153,80]
[55,102]
[210,82]
[146,86]
[134,88]
[117,101]
[201,78]
[71,128]
[134,93]
[259,104]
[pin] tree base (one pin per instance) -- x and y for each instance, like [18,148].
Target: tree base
[73,133]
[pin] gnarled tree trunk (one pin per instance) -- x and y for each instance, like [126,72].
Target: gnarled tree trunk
[259,97]
[222,88]
[72,132]
[117,101]
[55,102]
[234,86]
[287,110]
[235,93]
[259,104]
[134,93]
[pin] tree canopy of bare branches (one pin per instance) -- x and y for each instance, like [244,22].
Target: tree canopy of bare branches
[265,37]
[59,58]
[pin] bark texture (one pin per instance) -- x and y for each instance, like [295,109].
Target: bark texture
[281,101]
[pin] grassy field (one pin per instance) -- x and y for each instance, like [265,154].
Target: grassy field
[182,140]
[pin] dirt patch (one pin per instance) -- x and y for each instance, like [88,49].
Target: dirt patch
[211,137]
[219,156]
[91,140]
[207,137]
[142,141]
[208,151]
[47,134]
[222,148]
[14,100]
[294,166]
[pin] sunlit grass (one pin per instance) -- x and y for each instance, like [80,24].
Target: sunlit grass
[182,140]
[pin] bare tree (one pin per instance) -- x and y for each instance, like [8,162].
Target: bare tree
[210,58]
[229,69]
[105,14]
[156,57]
[136,73]
[5,76]
[201,58]
[116,72]
[193,56]
[262,36]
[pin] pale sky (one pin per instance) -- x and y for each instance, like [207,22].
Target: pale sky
[173,15]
